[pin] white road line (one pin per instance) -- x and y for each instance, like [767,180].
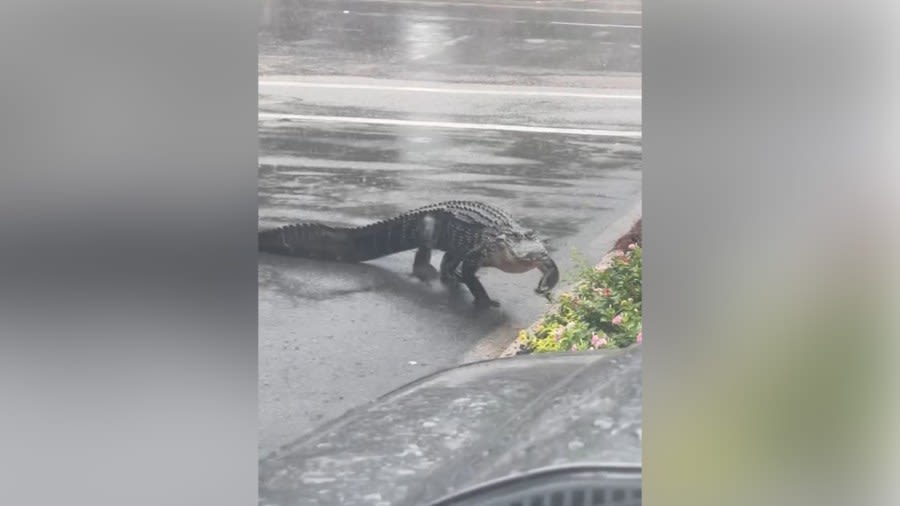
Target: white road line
[444,45]
[538,7]
[413,15]
[425,89]
[632,134]
[595,25]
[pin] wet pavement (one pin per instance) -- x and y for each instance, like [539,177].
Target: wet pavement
[370,108]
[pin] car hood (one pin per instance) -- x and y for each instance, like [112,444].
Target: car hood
[461,427]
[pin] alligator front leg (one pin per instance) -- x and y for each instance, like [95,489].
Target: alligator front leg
[469,267]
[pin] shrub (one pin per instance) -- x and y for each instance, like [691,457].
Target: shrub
[603,310]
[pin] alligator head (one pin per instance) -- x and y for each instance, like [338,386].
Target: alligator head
[521,251]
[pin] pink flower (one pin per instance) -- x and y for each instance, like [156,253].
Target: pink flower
[632,246]
[598,342]
[617,320]
[639,336]
[559,333]
[574,347]
[607,292]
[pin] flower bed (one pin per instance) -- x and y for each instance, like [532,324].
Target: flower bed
[603,310]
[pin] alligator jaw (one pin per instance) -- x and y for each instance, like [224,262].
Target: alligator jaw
[550,277]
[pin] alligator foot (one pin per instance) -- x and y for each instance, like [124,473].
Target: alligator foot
[468,277]
[451,279]
[425,272]
[485,303]
[450,274]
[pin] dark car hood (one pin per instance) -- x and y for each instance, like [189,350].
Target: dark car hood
[464,426]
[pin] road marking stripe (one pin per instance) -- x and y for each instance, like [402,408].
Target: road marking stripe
[596,25]
[413,15]
[633,134]
[465,91]
[539,7]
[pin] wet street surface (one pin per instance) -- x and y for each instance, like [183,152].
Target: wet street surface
[369,108]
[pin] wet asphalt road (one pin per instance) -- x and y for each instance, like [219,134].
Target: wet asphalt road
[372,107]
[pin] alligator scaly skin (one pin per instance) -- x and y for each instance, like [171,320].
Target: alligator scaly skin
[471,234]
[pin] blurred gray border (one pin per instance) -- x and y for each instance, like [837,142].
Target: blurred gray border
[128,209]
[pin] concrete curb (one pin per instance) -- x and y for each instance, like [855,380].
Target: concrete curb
[606,240]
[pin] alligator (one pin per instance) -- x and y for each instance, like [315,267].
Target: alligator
[471,234]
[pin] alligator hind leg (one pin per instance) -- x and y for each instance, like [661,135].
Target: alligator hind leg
[422,267]
[449,273]
[469,267]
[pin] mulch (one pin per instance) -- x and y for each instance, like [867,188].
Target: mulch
[633,236]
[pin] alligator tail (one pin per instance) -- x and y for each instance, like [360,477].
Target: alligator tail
[306,240]
[322,242]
